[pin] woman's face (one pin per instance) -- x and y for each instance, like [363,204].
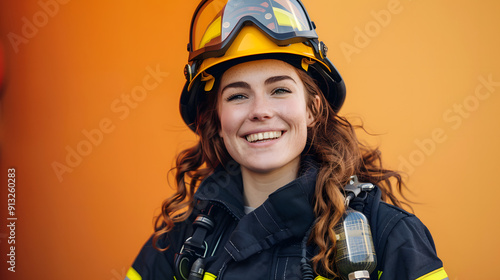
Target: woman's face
[263,114]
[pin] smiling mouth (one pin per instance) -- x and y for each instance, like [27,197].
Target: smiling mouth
[263,136]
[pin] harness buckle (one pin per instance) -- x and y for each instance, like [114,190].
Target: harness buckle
[354,187]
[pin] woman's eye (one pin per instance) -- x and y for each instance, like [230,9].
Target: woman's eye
[281,91]
[235,97]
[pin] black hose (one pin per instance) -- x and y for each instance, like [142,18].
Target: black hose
[305,267]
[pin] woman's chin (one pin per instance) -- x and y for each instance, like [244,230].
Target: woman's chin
[270,164]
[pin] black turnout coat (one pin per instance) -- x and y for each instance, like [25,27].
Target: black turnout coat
[267,242]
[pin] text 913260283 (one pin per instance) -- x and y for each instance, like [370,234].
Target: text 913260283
[11,218]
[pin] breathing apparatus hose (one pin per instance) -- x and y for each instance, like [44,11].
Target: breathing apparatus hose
[305,267]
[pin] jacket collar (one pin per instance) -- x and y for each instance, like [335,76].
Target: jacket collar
[225,187]
[287,213]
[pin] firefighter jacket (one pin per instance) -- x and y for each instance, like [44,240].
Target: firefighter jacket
[266,243]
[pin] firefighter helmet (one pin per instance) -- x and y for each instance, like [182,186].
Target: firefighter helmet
[227,32]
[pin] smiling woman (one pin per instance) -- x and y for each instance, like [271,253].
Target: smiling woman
[276,169]
[263,123]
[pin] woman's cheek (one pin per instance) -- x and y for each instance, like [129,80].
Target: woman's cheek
[230,117]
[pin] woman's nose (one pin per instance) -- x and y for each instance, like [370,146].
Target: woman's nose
[261,108]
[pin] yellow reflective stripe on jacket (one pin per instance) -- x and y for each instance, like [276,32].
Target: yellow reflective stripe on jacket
[321,278]
[438,274]
[209,276]
[133,275]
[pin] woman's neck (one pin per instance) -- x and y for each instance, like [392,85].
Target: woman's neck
[258,186]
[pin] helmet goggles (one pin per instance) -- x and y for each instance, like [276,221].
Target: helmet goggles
[217,22]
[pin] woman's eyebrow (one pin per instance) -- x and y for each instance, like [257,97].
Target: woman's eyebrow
[275,79]
[236,85]
[268,81]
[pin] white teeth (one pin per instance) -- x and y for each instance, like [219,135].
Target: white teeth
[263,136]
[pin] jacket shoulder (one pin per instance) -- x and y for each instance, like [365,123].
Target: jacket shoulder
[405,248]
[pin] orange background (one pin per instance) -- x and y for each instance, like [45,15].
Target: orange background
[411,76]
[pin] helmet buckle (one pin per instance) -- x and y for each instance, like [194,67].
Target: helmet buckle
[188,72]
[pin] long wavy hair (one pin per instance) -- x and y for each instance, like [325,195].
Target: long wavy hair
[333,142]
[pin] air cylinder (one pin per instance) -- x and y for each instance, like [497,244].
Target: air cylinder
[355,250]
